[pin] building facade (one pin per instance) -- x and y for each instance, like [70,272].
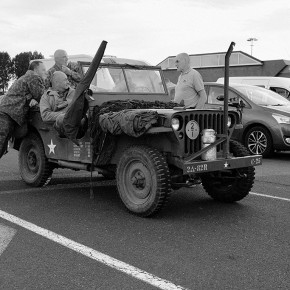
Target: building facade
[211,66]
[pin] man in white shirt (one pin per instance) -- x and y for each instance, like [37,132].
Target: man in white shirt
[189,90]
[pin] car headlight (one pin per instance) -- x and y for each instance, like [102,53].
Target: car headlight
[175,124]
[281,119]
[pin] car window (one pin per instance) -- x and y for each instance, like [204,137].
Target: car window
[215,92]
[282,92]
[262,97]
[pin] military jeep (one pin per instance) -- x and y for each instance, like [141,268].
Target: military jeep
[179,148]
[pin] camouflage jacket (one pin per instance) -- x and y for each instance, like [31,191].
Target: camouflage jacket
[73,79]
[16,101]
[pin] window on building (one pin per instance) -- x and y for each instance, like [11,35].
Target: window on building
[212,60]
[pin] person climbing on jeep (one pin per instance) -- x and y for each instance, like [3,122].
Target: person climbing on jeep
[24,93]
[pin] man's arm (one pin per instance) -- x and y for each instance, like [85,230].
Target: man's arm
[36,88]
[199,88]
[74,71]
[201,100]
[76,76]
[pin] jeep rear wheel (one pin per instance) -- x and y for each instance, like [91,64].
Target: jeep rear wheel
[34,167]
[143,180]
[233,184]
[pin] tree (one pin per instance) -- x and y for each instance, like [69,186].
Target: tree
[21,61]
[6,70]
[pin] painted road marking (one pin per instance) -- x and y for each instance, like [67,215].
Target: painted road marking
[270,196]
[93,254]
[6,235]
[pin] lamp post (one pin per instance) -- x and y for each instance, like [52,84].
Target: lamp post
[252,39]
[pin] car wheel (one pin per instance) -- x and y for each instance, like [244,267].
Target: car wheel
[230,185]
[143,180]
[258,140]
[34,167]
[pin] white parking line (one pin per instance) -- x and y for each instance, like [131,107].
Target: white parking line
[270,196]
[93,254]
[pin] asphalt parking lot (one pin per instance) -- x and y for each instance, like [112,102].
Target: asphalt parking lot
[58,238]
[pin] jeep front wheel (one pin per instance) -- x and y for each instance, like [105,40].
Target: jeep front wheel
[232,184]
[143,180]
[34,167]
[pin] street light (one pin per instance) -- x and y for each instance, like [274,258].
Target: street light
[252,39]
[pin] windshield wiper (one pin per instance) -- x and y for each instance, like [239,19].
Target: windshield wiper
[278,105]
[138,66]
[130,65]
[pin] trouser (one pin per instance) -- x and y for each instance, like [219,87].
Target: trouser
[58,126]
[7,126]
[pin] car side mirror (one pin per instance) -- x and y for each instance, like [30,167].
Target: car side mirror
[238,104]
[242,104]
[220,98]
[233,102]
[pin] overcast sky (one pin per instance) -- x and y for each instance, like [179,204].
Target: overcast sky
[148,30]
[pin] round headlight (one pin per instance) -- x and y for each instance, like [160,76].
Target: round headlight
[229,121]
[175,124]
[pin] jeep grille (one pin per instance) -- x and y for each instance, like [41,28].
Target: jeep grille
[205,120]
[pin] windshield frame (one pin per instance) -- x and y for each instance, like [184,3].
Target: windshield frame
[125,68]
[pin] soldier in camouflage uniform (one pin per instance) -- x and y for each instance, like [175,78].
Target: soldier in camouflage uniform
[71,69]
[14,106]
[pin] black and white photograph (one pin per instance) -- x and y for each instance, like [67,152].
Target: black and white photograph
[144,145]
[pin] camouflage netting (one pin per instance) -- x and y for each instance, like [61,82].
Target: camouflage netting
[103,140]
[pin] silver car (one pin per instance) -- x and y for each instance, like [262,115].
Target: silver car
[265,116]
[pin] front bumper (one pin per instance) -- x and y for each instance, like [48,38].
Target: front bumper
[221,164]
